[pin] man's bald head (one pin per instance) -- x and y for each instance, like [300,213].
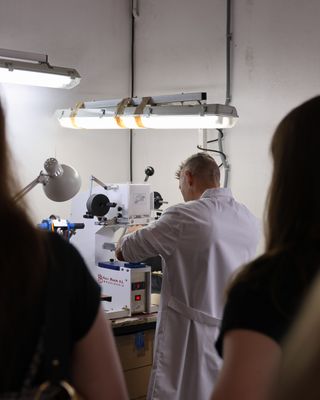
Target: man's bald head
[196,174]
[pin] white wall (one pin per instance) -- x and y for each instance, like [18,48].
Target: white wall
[276,65]
[180,47]
[92,37]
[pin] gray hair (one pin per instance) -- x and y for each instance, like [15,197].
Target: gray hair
[201,165]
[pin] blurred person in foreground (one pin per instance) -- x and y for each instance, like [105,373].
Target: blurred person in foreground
[299,373]
[52,325]
[264,297]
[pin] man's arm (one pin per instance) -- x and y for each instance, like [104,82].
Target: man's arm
[119,254]
[130,229]
[159,238]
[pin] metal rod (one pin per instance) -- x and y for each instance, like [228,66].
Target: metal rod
[130,155]
[203,138]
[228,54]
[93,178]
[135,101]
[26,189]
[132,73]
[224,159]
[106,187]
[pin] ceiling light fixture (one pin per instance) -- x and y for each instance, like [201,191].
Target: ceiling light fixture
[158,112]
[34,69]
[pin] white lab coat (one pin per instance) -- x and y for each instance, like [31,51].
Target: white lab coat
[202,242]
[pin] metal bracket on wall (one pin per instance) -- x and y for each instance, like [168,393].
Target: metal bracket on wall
[135,8]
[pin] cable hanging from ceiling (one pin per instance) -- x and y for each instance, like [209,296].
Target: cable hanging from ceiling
[175,111]
[219,140]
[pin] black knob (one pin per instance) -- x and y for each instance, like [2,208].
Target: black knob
[99,205]
[149,171]
[78,225]
[87,215]
[158,200]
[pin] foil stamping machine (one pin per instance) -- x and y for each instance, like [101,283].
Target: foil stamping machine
[126,288]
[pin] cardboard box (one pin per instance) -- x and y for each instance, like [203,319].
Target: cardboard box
[136,355]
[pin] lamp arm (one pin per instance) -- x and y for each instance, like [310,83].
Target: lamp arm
[42,178]
[106,187]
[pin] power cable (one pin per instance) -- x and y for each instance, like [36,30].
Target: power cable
[132,69]
[223,156]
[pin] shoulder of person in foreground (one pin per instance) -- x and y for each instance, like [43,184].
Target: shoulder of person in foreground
[255,303]
[97,372]
[251,363]
[251,334]
[94,350]
[300,379]
[77,287]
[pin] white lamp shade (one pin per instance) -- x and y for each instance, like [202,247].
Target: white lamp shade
[64,186]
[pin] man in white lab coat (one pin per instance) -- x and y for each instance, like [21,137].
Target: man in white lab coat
[201,242]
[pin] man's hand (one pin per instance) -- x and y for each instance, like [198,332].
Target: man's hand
[119,254]
[129,229]
[133,228]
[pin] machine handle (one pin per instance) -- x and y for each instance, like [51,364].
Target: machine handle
[76,225]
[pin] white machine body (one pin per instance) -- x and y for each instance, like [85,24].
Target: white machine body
[126,288]
[129,288]
[134,206]
[136,202]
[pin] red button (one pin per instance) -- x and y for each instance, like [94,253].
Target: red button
[137,297]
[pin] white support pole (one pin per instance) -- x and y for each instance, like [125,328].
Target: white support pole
[203,138]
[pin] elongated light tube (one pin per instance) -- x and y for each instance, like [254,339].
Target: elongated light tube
[201,116]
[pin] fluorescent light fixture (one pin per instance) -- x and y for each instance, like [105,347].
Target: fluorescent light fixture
[34,69]
[60,182]
[153,113]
